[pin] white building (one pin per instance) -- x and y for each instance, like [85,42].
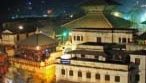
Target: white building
[10,37]
[104,35]
[101,54]
[139,58]
[90,66]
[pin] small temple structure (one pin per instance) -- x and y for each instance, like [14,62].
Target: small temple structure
[37,47]
[33,55]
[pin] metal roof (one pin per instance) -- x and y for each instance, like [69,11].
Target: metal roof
[37,40]
[96,20]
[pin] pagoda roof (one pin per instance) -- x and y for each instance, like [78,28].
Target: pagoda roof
[38,39]
[95,20]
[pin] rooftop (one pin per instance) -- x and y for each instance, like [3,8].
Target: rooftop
[96,60]
[104,44]
[111,56]
[38,39]
[87,52]
[89,20]
[118,21]
[138,52]
[89,28]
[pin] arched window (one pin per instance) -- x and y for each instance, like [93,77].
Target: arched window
[71,72]
[79,74]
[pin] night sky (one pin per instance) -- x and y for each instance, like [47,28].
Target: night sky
[38,7]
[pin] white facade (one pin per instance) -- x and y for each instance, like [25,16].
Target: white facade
[117,73]
[105,36]
[87,42]
[140,60]
[10,38]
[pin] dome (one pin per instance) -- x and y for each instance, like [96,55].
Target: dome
[38,40]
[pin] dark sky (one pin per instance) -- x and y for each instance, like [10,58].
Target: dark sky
[5,5]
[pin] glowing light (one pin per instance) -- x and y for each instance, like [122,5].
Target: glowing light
[117,14]
[49,11]
[29,3]
[70,34]
[42,64]
[38,47]
[45,15]
[20,27]
[143,17]
[65,34]
[71,16]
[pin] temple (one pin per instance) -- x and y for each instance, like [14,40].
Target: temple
[34,55]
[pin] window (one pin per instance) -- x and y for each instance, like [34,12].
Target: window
[82,56]
[79,74]
[117,78]
[81,38]
[96,56]
[27,35]
[123,40]
[98,39]
[78,38]
[63,71]
[88,75]
[137,61]
[107,77]
[119,40]
[128,40]
[18,37]
[137,77]
[74,37]
[97,76]
[71,72]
